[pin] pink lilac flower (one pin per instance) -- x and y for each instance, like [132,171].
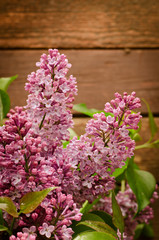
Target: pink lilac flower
[32,168]
[46,230]
[30,231]
[113,130]
[32,157]
[50,98]
[90,168]
[105,147]
[23,236]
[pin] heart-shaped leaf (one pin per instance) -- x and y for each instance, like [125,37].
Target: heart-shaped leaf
[142,184]
[30,201]
[7,205]
[99,226]
[118,220]
[5,82]
[94,236]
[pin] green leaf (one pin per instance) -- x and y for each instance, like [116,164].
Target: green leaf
[119,171]
[81,228]
[65,143]
[94,236]
[118,220]
[3,228]
[86,207]
[156,144]
[82,108]
[92,217]
[4,104]
[7,205]
[138,230]
[30,201]
[98,226]
[72,133]
[142,184]
[153,126]
[148,231]
[106,217]
[5,82]
[137,137]
[1,217]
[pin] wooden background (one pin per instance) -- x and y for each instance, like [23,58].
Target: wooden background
[113,45]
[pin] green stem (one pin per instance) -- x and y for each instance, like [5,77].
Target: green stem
[145,145]
[41,124]
[12,225]
[123,186]
[1,218]
[121,236]
[26,164]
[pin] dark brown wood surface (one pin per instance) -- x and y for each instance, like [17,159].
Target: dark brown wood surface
[28,28]
[79,24]
[147,159]
[99,73]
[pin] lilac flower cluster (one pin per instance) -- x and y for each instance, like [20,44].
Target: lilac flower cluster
[50,98]
[104,147]
[32,157]
[128,205]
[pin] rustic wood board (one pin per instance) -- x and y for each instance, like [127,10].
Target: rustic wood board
[99,73]
[147,159]
[79,24]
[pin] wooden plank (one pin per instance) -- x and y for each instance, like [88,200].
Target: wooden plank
[147,159]
[100,73]
[79,24]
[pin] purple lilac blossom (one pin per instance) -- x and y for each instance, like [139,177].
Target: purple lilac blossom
[32,157]
[50,98]
[104,147]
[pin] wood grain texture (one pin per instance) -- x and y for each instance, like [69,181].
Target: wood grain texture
[79,24]
[147,159]
[99,73]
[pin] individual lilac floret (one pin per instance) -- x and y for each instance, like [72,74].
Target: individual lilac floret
[46,230]
[50,98]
